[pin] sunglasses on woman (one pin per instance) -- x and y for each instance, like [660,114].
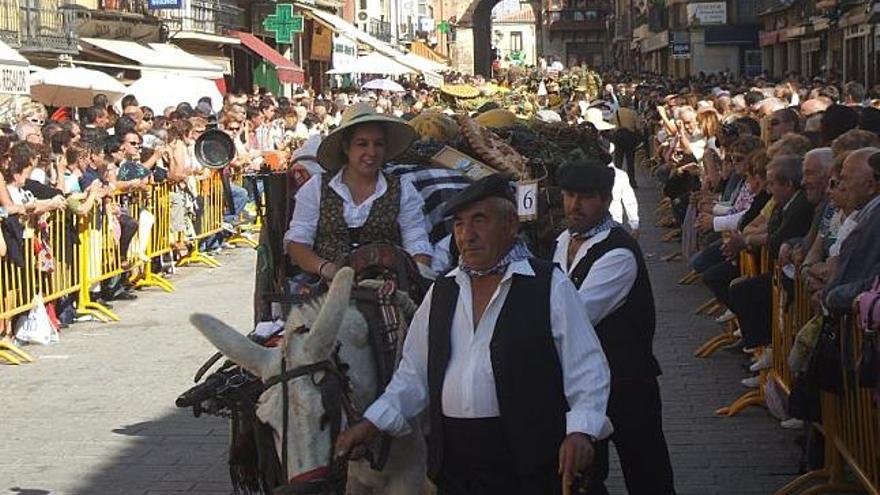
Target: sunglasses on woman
[36,121]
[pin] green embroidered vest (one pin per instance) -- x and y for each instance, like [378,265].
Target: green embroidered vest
[335,239]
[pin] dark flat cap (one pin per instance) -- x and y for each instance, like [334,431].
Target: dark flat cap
[493,186]
[587,176]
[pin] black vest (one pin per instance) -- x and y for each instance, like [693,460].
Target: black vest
[627,334]
[528,374]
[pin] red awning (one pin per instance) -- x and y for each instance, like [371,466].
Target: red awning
[288,72]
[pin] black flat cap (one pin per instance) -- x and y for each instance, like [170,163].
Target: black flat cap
[493,186]
[586,176]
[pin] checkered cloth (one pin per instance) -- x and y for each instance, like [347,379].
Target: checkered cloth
[436,185]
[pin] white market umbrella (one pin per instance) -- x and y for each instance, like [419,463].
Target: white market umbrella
[374,63]
[161,90]
[73,86]
[384,85]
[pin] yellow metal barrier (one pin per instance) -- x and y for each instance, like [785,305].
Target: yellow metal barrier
[210,220]
[748,267]
[23,284]
[158,203]
[99,260]
[851,427]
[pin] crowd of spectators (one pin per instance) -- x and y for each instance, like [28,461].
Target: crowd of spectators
[791,169]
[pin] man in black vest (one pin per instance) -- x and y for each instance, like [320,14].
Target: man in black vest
[504,359]
[606,265]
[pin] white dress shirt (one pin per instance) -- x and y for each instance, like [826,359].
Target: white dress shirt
[410,218]
[469,383]
[610,279]
[623,199]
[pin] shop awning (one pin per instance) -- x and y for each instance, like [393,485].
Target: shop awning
[288,72]
[341,26]
[13,72]
[155,57]
[422,50]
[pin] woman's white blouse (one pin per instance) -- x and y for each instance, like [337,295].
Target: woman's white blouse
[304,222]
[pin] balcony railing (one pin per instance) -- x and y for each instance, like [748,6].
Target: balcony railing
[124,6]
[39,25]
[203,16]
[380,29]
[589,18]
[582,5]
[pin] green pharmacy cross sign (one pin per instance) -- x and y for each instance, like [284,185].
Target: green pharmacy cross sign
[283,23]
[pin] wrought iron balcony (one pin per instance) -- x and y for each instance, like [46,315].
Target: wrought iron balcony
[124,6]
[573,19]
[204,16]
[39,25]
[602,6]
[380,29]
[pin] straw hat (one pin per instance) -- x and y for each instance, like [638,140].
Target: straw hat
[398,135]
[594,116]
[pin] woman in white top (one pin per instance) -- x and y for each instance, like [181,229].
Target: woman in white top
[354,203]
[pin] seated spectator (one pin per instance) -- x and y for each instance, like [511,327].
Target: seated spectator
[792,215]
[859,260]
[836,120]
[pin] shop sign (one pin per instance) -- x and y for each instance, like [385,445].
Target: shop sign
[13,80]
[432,79]
[344,51]
[283,23]
[681,51]
[811,45]
[118,30]
[707,13]
[791,33]
[164,4]
[656,42]
[322,43]
[767,38]
[426,24]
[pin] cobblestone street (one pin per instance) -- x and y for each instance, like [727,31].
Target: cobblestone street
[95,414]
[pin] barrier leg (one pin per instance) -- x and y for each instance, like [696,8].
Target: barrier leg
[240,239]
[672,235]
[85,306]
[705,306]
[750,398]
[150,279]
[717,342]
[689,278]
[9,358]
[15,351]
[196,256]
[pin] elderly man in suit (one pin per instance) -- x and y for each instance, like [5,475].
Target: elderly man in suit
[859,260]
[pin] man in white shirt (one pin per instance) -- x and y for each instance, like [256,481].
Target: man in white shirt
[606,265]
[504,360]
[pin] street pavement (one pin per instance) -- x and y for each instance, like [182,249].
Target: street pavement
[95,414]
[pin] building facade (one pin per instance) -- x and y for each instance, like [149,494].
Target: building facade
[830,38]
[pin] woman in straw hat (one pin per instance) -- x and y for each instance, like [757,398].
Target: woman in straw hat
[354,203]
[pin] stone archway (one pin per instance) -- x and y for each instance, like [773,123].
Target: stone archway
[474,36]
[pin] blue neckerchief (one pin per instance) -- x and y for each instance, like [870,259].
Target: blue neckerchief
[518,252]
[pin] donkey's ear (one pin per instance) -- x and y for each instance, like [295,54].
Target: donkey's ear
[318,343]
[243,351]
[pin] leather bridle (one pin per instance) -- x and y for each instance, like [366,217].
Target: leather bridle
[335,388]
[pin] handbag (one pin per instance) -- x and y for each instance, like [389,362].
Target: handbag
[826,358]
[869,321]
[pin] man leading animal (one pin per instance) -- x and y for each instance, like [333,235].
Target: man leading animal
[503,357]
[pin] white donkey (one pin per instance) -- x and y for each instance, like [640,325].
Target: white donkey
[331,319]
